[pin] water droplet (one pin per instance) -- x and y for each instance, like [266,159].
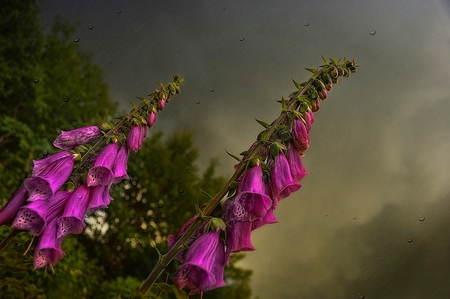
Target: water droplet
[354,217]
[381,259]
[66,100]
[211,90]
[372,32]
[421,218]
[36,80]
[326,214]
[77,100]
[160,204]
[188,167]
[119,12]
[410,240]
[179,178]
[223,8]
[306,24]
[62,106]
[241,38]
[90,27]
[76,39]
[198,102]
[110,61]
[181,190]
[361,296]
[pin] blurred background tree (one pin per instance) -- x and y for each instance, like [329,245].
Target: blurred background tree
[47,84]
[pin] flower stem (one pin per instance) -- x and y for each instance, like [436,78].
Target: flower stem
[167,258]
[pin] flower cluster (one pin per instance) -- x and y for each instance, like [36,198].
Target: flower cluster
[268,173]
[67,185]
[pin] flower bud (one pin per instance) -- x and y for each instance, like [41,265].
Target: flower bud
[315,105]
[161,104]
[151,118]
[323,95]
[334,72]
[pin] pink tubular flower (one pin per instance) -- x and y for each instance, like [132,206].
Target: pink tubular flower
[72,218]
[172,239]
[250,202]
[238,238]
[99,198]
[102,171]
[298,172]
[13,205]
[281,181]
[48,250]
[300,134]
[70,139]
[309,118]
[203,265]
[49,175]
[120,165]
[35,216]
[136,137]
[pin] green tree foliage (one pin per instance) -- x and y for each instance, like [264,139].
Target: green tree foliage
[47,84]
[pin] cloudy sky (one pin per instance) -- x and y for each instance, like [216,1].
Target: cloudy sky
[372,219]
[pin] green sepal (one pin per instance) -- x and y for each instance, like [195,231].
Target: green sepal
[282,127]
[324,60]
[280,146]
[314,71]
[296,84]
[209,196]
[217,223]
[141,98]
[244,153]
[235,157]
[264,124]
[334,62]
[274,150]
[263,136]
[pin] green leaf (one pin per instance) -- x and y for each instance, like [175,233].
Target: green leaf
[205,193]
[262,123]
[314,71]
[324,60]
[280,146]
[141,98]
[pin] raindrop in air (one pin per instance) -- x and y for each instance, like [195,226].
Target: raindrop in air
[66,100]
[306,23]
[361,296]
[410,240]
[181,190]
[211,90]
[354,217]
[421,218]
[160,204]
[62,106]
[198,102]
[76,39]
[381,259]
[90,27]
[110,61]
[326,214]
[36,80]
[188,167]
[242,38]
[223,8]
[372,32]
[119,12]
[77,100]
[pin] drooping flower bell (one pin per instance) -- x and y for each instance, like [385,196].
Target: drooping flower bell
[70,139]
[151,119]
[36,215]
[203,265]
[135,138]
[294,158]
[13,205]
[49,250]
[300,134]
[99,198]
[120,165]
[281,181]
[172,239]
[72,218]
[102,171]
[309,118]
[250,202]
[49,175]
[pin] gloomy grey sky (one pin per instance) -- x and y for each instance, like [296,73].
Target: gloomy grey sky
[379,156]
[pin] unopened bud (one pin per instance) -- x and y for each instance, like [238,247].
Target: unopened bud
[334,80]
[176,77]
[334,72]
[151,118]
[323,94]
[161,104]
[106,126]
[346,73]
[315,105]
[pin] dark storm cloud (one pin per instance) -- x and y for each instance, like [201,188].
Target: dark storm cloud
[379,153]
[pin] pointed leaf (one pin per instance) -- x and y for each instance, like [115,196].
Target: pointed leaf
[235,157]
[314,71]
[324,60]
[296,84]
[262,123]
